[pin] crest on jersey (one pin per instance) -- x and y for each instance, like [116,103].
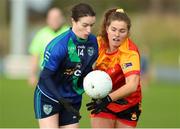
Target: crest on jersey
[134,116]
[47,109]
[90,51]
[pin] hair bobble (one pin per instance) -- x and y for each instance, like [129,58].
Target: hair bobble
[120,10]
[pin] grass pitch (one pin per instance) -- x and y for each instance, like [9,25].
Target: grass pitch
[160,105]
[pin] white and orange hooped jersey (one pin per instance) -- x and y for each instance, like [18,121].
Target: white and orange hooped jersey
[120,64]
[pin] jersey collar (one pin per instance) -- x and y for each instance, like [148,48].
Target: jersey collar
[77,39]
[124,46]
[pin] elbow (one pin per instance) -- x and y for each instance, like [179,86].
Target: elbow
[46,74]
[134,88]
[133,83]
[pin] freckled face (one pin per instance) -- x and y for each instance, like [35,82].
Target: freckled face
[117,32]
[82,28]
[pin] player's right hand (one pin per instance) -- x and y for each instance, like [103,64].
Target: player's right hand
[98,105]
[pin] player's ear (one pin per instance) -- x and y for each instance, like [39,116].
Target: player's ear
[73,21]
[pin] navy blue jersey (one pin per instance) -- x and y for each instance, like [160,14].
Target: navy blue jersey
[70,59]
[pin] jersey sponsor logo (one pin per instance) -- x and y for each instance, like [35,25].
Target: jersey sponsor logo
[81,47]
[69,71]
[90,51]
[77,72]
[126,65]
[78,65]
[47,109]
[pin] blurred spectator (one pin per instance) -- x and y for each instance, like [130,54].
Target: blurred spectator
[55,26]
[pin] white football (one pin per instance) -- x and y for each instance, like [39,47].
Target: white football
[97,84]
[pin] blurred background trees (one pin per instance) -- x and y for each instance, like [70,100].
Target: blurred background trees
[153,20]
[154,27]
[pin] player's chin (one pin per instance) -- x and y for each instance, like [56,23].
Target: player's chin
[85,36]
[116,44]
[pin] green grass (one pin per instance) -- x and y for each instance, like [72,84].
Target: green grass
[160,105]
[16,104]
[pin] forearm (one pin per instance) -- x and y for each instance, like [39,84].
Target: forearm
[124,91]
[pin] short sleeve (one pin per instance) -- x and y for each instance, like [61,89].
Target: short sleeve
[131,64]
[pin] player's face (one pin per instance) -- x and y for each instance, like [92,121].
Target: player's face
[117,32]
[82,28]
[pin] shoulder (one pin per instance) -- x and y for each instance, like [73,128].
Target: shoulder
[60,42]
[132,46]
[92,38]
[128,47]
[129,50]
[101,43]
[99,38]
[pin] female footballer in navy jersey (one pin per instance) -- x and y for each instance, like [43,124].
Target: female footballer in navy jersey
[67,59]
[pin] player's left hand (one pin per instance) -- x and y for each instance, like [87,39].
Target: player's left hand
[97,105]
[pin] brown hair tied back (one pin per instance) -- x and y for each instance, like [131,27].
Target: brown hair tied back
[112,15]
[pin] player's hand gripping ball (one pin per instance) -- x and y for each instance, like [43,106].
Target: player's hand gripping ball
[97,84]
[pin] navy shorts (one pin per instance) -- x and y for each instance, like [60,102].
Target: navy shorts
[45,107]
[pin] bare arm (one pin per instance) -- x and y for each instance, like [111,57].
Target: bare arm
[34,69]
[131,85]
